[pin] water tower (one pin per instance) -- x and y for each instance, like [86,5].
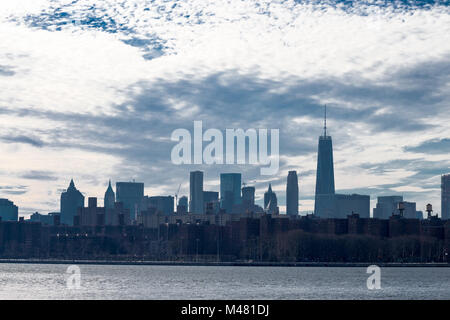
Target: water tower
[429,210]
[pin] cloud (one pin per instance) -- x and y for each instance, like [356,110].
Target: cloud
[139,136]
[420,183]
[35,142]
[433,146]
[6,71]
[13,190]
[39,175]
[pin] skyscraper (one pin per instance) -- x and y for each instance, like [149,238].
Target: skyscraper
[71,200]
[270,201]
[110,197]
[196,192]
[292,194]
[248,197]
[325,169]
[131,195]
[445,196]
[230,190]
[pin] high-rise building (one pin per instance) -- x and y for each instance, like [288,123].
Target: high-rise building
[386,206]
[182,206]
[230,190]
[247,204]
[92,215]
[131,195]
[71,200]
[196,192]
[211,202]
[342,205]
[325,168]
[445,197]
[270,201]
[410,211]
[292,194]
[8,211]
[161,204]
[110,197]
[210,196]
[248,197]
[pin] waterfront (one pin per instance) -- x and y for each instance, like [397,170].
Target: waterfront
[48,281]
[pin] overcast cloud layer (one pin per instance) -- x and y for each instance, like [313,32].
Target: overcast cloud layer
[93,89]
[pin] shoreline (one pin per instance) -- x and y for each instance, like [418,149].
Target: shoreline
[226,264]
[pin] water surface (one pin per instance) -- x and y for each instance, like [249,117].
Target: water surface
[47,281]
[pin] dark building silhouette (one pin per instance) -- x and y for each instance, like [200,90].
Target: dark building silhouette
[327,203]
[400,226]
[182,207]
[419,214]
[131,195]
[248,197]
[340,205]
[90,216]
[110,197]
[50,219]
[162,204]
[210,196]
[247,204]
[8,211]
[230,191]
[211,202]
[411,212]
[386,206]
[325,167]
[270,201]
[265,237]
[196,192]
[71,200]
[94,216]
[292,194]
[445,197]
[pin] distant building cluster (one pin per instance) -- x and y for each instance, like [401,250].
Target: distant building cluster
[128,204]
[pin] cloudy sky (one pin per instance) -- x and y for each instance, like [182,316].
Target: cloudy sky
[92,90]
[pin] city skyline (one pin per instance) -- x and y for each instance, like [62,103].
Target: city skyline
[132,196]
[230,187]
[325,185]
[93,95]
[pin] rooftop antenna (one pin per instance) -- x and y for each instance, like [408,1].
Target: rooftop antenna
[325,122]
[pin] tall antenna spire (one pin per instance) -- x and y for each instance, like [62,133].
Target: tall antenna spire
[325,122]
